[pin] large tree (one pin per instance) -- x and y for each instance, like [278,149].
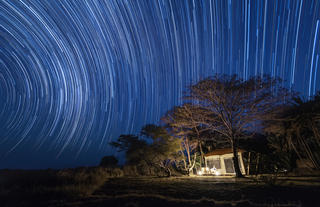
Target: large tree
[232,106]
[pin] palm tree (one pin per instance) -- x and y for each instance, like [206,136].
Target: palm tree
[300,124]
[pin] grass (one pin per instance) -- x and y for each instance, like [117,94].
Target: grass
[22,187]
[107,187]
[201,191]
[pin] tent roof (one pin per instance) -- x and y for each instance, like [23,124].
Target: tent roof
[222,152]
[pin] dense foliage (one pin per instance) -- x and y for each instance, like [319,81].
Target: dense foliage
[298,127]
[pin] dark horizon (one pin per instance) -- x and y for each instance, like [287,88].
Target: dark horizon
[74,76]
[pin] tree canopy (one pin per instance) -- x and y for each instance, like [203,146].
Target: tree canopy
[232,106]
[161,151]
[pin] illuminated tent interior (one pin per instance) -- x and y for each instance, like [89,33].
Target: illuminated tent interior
[219,162]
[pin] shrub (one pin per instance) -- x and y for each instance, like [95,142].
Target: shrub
[130,170]
[108,161]
[84,181]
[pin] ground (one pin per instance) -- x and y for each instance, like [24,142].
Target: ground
[42,188]
[203,191]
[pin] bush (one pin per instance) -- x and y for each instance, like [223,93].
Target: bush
[130,170]
[84,181]
[114,172]
[108,161]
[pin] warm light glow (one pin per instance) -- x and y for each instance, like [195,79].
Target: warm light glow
[213,170]
[200,172]
[217,173]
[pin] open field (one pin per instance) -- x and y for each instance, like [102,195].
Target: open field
[154,191]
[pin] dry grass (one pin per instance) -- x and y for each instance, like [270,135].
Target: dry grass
[84,181]
[24,186]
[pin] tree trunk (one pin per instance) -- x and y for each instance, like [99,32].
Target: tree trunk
[257,164]
[201,154]
[188,151]
[168,172]
[184,159]
[248,166]
[236,160]
[191,166]
[200,147]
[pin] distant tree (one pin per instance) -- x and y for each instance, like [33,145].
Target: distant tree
[231,106]
[132,146]
[164,149]
[161,152]
[108,161]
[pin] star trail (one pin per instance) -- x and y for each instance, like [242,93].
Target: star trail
[74,75]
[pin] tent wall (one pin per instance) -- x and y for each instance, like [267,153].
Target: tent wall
[224,163]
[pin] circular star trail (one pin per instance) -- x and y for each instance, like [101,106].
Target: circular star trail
[74,75]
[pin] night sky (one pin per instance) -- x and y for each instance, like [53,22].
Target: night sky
[74,75]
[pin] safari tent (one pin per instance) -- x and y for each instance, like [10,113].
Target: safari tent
[220,162]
